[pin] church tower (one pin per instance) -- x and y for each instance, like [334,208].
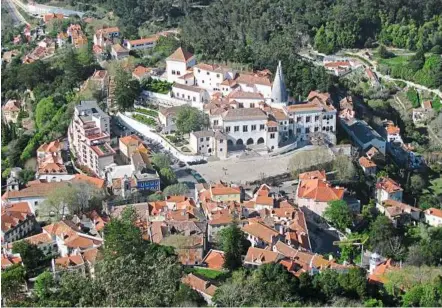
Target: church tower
[279,91]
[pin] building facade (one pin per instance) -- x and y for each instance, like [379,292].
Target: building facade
[89,137]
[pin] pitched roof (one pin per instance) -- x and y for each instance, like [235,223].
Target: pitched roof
[118,48]
[69,261]
[150,39]
[379,273]
[14,214]
[261,231]
[244,114]
[188,88]
[263,256]
[140,71]
[221,189]
[180,55]
[319,190]
[435,212]
[52,147]
[39,239]
[35,189]
[99,183]
[245,95]
[12,105]
[214,259]
[366,163]
[131,139]
[262,78]
[311,175]
[388,185]
[10,259]
[199,284]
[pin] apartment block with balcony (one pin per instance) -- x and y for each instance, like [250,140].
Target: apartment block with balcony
[89,137]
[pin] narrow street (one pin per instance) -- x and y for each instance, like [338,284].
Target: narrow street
[15,14]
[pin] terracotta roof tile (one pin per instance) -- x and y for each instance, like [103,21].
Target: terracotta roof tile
[366,163]
[388,185]
[261,231]
[214,259]
[180,55]
[263,256]
[435,212]
[199,284]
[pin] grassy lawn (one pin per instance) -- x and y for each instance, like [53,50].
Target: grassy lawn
[395,61]
[207,273]
[145,120]
[149,112]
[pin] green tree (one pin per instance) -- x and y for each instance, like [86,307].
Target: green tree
[190,119]
[384,53]
[43,285]
[339,214]
[187,297]
[122,236]
[26,175]
[44,112]
[13,282]
[168,176]
[33,258]
[384,239]
[417,183]
[345,170]
[176,190]
[234,244]
[161,160]
[127,89]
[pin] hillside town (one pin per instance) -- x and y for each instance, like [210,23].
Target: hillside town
[141,169]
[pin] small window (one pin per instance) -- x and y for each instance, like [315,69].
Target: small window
[217,75]
[215,122]
[245,128]
[252,105]
[173,72]
[261,127]
[272,136]
[207,138]
[236,128]
[178,73]
[207,73]
[221,141]
[227,129]
[253,127]
[199,71]
[201,139]
[307,130]
[194,99]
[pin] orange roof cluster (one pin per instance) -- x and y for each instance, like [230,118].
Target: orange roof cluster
[52,147]
[151,39]
[223,189]
[9,260]
[49,17]
[14,214]
[262,256]
[393,130]
[318,189]
[261,231]
[69,261]
[140,71]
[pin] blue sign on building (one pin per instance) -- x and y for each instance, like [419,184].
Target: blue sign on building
[153,185]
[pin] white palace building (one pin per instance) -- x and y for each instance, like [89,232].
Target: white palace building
[248,108]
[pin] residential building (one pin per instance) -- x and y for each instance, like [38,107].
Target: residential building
[50,163]
[10,259]
[257,256]
[99,81]
[105,36]
[69,263]
[214,260]
[387,189]
[195,96]
[399,213]
[202,286]
[17,221]
[211,76]
[368,166]
[392,133]
[260,235]
[10,111]
[62,39]
[143,43]
[53,16]
[379,270]
[178,63]
[222,192]
[141,72]
[363,135]
[209,143]
[118,52]
[89,137]
[167,116]
[338,68]
[433,217]
[137,174]
[314,192]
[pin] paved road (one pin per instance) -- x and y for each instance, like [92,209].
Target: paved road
[409,83]
[15,14]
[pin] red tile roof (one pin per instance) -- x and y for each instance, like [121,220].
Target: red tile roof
[214,259]
[69,261]
[366,163]
[8,260]
[263,256]
[380,271]
[261,231]
[199,284]
[388,185]
[319,190]
[435,212]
